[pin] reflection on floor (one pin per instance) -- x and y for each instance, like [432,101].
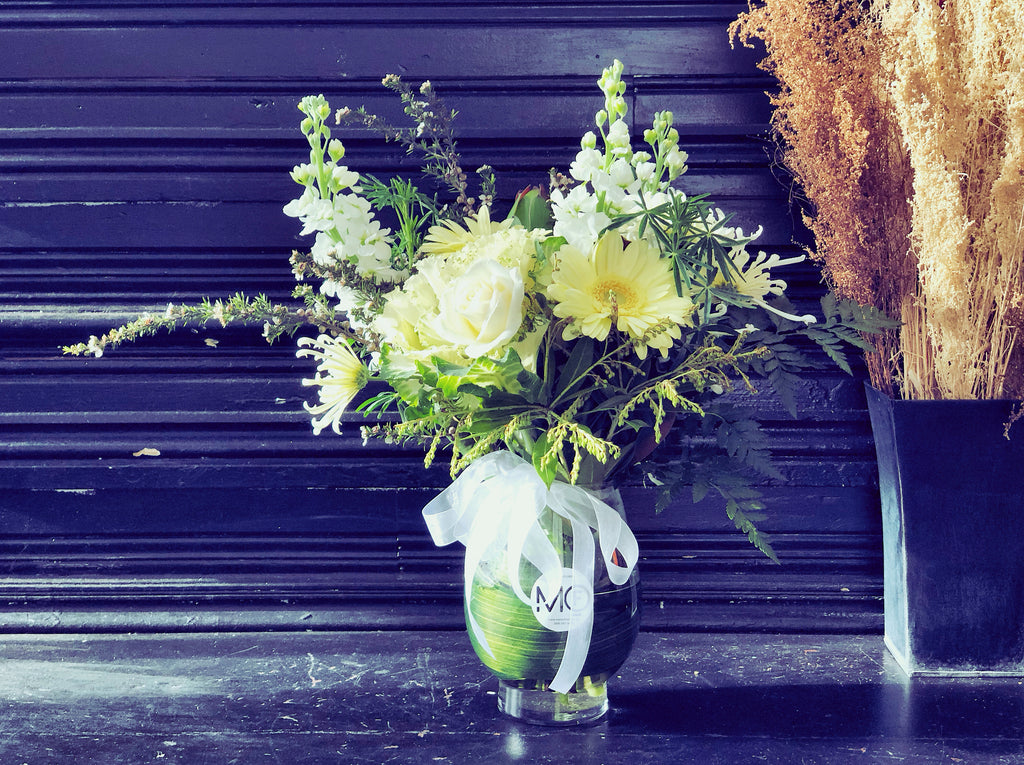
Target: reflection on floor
[423,697]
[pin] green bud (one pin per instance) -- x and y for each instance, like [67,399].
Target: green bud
[601,117]
[616,107]
[336,150]
[312,105]
[306,126]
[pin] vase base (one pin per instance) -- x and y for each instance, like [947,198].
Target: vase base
[549,708]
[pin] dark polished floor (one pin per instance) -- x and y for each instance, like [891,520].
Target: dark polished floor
[422,697]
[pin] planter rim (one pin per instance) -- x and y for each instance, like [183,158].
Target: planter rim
[935,402]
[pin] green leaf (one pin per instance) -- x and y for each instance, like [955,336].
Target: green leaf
[736,514]
[544,250]
[381,402]
[531,386]
[575,367]
[860,317]
[700,490]
[743,440]
[831,345]
[531,209]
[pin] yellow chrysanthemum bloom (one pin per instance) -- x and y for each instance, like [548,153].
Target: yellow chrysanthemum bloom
[451,237]
[629,287]
[340,375]
[506,242]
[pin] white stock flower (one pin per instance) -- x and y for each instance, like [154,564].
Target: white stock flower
[348,299]
[324,250]
[621,174]
[360,240]
[618,140]
[303,174]
[344,178]
[316,214]
[577,217]
[645,172]
[588,162]
[675,161]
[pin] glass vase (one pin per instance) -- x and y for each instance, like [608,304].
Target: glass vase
[527,639]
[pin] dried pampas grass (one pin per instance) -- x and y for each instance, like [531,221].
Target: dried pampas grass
[840,142]
[916,100]
[958,95]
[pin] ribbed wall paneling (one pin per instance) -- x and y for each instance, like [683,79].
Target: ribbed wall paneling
[144,151]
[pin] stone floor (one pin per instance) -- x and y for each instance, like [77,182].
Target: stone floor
[423,697]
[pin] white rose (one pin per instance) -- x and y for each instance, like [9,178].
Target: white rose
[483,308]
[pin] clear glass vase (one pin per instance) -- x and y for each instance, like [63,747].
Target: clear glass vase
[526,644]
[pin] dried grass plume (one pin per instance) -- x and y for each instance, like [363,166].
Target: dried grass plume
[917,100]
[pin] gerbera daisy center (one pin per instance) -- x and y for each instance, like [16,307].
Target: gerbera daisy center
[614,293]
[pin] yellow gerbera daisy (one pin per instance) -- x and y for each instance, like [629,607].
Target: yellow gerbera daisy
[340,375]
[451,237]
[631,287]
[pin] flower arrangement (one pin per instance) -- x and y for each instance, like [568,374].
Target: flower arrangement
[548,351]
[601,314]
[903,123]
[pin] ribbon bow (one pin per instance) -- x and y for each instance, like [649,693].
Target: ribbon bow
[499,498]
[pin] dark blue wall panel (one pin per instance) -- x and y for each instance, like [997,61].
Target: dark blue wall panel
[144,151]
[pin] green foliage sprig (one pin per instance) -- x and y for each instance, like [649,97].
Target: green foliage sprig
[277,321]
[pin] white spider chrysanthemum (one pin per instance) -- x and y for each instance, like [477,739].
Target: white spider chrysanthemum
[340,376]
[753,279]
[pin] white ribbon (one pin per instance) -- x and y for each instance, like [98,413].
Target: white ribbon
[500,497]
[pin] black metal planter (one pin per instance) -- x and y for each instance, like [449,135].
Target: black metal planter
[952,490]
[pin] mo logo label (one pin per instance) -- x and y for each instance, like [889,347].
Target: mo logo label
[554,606]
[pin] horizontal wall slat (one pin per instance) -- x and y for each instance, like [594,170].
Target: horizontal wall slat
[436,47]
[690,581]
[276,12]
[119,110]
[222,224]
